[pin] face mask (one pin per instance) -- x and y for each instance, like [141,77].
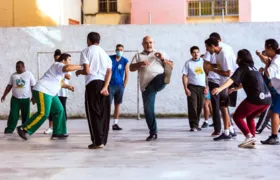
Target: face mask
[119,53]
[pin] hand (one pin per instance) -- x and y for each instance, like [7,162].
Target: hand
[33,101]
[231,90]
[206,90]
[216,91]
[261,70]
[3,98]
[78,73]
[124,85]
[258,52]
[207,67]
[71,88]
[104,91]
[188,92]
[145,63]
[159,56]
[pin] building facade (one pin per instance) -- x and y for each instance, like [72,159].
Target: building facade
[18,13]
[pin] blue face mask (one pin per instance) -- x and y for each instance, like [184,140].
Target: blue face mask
[119,53]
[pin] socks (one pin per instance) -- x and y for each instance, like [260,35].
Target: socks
[226,131]
[206,121]
[231,129]
[116,121]
[274,135]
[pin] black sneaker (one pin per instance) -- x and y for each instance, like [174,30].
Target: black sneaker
[193,130]
[59,136]
[167,73]
[271,141]
[223,137]
[205,125]
[151,137]
[211,125]
[258,131]
[198,129]
[116,127]
[21,132]
[93,146]
[234,134]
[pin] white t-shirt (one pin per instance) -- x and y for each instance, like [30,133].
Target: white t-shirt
[212,77]
[22,84]
[148,73]
[226,60]
[274,73]
[51,82]
[63,92]
[195,72]
[98,60]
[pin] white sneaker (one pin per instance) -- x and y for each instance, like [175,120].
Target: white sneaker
[248,143]
[48,131]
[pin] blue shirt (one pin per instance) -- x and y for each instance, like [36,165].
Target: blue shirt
[118,69]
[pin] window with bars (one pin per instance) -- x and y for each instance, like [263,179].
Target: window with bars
[107,6]
[212,7]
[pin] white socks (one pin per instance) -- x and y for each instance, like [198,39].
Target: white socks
[116,121]
[206,121]
[231,129]
[226,131]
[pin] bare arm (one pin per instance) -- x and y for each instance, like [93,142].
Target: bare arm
[108,75]
[126,75]
[216,91]
[222,73]
[71,67]
[185,84]
[84,71]
[67,76]
[7,90]
[135,66]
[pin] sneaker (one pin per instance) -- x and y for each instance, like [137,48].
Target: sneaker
[223,137]
[258,131]
[234,134]
[59,136]
[205,125]
[250,146]
[116,127]
[247,141]
[271,141]
[211,125]
[215,133]
[93,146]
[167,73]
[268,126]
[198,129]
[151,137]
[48,131]
[21,132]
[193,130]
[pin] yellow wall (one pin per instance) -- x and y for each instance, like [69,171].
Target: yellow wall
[214,19]
[38,12]
[92,16]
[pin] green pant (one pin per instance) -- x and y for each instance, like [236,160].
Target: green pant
[17,105]
[46,105]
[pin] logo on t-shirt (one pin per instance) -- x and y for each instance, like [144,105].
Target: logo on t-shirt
[198,70]
[119,66]
[20,83]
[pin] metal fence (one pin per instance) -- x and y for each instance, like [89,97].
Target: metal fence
[212,8]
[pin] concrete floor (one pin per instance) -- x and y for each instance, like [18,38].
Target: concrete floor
[177,154]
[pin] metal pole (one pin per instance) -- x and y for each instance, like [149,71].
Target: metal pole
[150,18]
[223,15]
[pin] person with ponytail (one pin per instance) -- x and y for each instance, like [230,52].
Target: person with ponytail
[258,97]
[272,71]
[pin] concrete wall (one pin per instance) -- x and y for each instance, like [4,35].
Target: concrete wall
[25,43]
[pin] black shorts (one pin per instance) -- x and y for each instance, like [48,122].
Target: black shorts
[228,99]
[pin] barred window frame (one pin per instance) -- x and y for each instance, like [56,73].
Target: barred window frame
[107,6]
[204,8]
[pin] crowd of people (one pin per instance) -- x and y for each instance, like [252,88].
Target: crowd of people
[210,81]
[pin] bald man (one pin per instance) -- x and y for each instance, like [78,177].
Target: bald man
[154,70]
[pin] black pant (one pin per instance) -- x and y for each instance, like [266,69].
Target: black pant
[98,110]
[63,102]
[195,104]
[215,100]
[264,119]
